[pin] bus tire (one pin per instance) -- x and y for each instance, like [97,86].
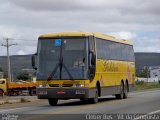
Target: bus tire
[95,99]
[125,91]
[121,94]
[53,101]
[1,92]
[32,92]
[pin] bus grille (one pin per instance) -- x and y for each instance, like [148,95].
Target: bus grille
[60,85]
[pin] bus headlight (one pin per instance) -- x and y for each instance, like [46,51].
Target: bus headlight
[78,85]
[42,86]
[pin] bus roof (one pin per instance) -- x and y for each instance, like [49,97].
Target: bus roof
[85,34]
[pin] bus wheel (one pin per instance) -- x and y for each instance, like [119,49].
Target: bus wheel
[1,93]
[125,91]
[32,92]
[53,101]
[95,99]
[121,94]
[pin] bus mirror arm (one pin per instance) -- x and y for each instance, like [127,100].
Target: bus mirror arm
[33,61]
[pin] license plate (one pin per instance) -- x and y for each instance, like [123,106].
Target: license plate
[80,92]
[61,92]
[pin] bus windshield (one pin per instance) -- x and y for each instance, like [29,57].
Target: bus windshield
[62,59]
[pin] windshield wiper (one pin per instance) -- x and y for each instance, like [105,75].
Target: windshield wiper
[61,64]
[53,72]
[67,71]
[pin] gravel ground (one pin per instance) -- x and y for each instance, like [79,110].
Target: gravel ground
[16,99]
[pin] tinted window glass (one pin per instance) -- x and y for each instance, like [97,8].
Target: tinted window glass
[113,50]
[66,58]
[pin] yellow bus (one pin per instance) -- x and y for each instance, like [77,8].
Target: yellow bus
[83,65]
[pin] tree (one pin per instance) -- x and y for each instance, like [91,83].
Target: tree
[24,76]
[144,73]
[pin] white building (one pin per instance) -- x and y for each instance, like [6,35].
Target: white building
[154,72]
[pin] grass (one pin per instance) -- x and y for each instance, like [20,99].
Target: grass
[140,85]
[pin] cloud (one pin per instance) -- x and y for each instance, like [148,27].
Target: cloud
[6,32]
[58,5]
[147,44]
[123,35]
[27,19]
[51,13]
[123,6]
[21,52]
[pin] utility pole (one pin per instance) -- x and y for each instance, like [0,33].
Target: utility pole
[7,45]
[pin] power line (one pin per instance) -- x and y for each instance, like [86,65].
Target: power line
[11,39]
[7,45]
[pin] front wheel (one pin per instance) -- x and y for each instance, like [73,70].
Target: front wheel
[53,101]
[95,99]
[1,93]
[32,92]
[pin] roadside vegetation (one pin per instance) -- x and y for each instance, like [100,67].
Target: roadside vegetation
[141,85]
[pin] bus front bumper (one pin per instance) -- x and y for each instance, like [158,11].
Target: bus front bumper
[65,93]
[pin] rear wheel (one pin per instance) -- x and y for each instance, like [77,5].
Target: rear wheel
[121,94]
[32,92]
[95,99]
[53,101]
[1,93]
[125,91]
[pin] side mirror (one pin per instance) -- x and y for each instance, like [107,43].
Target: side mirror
[92,64]
[93,58]
[33,61]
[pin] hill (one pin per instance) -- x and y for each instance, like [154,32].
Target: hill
[146,59]
[19,62]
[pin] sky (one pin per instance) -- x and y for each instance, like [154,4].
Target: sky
[24,20]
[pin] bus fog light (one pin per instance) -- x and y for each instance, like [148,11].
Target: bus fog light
[78,85]
[80,91]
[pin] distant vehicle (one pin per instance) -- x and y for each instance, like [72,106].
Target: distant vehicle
[19,88]
[83,65]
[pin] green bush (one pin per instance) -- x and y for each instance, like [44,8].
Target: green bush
[140,85]
[24,76]
[139,82]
